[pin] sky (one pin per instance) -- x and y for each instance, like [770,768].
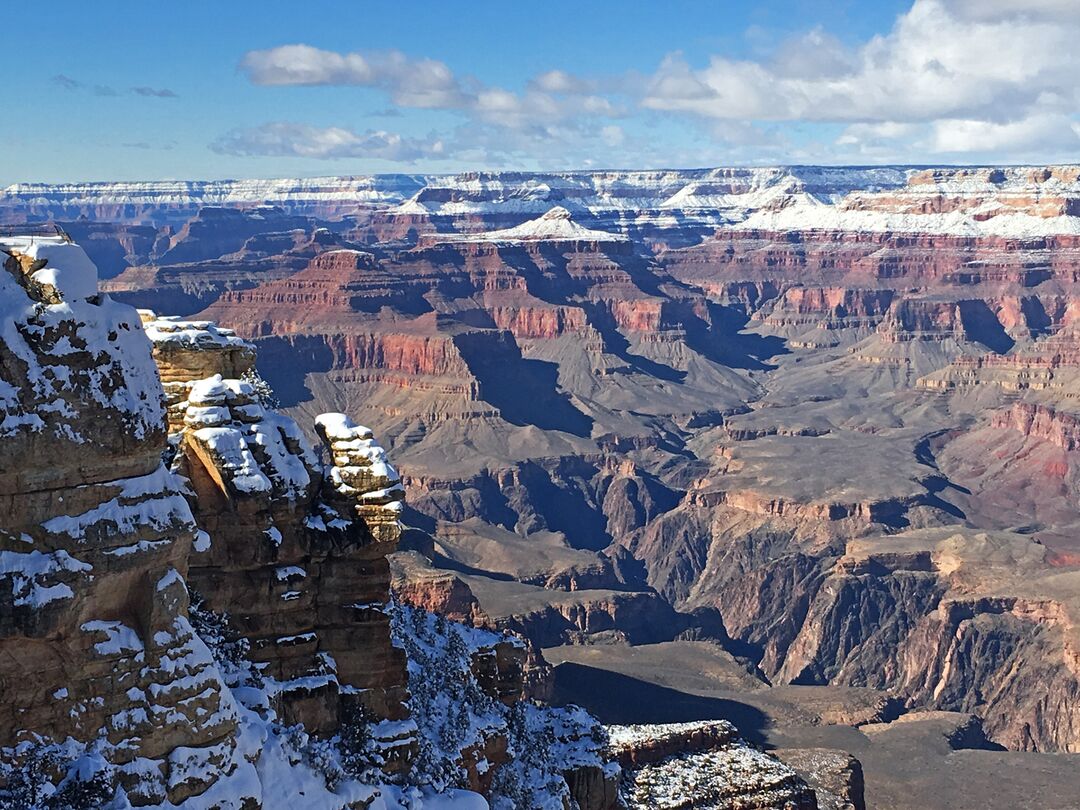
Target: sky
[126,90]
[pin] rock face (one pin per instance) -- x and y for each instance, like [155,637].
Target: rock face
[836,777]
[819,417]
[296,559]
[499,742]
[702,765]
[217,250]
[95,537]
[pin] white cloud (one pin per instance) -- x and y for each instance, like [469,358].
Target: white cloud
[1054,133]
[1060,10]
[304,64]
[559,81]
[424,83]
[960,80]
[935,63]
[549,98]
[283,139]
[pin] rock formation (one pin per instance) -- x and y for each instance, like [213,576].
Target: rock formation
[298,561]
[95,538]
[704,765]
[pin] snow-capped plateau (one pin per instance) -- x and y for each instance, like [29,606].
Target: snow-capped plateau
[964,201]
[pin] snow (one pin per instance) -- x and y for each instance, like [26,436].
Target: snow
[178,193]
[339,427]
[173,331]
[357,444]
[280,767]
[119,638]
[172,577]
[123,379]
[620,736]
[713,197]
[30,574]
[210,391]
[231,449]
[149,502]
[301,638]
[67,267]
[260,450]
[816,216]
[211,416]
[555,225]
[142,546]
[202,542]
[412,207]
[452,712]
[276,434]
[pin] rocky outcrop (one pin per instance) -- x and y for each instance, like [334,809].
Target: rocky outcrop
[198,633]
[1062,429]
[217,251]
[296,558]
[835,777]
[949,631]
[95,537]
[687,765]
[500,743]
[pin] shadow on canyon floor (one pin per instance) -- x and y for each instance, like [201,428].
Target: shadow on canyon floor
[620,699]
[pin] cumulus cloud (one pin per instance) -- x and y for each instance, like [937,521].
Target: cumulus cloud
[951,80]
[952,77]
[559,81]
[284,139]
[424,83]
[428,84]
[933,64]
[1060,10]
[1055,133]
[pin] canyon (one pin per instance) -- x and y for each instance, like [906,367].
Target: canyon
[196,606]
[790,448]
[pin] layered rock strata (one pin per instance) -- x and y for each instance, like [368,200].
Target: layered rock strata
[295,557]
[95,537]
[702,765]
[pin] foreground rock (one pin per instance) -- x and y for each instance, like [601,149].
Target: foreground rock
[296,560]
[95,537]
[703,765]
[835,776]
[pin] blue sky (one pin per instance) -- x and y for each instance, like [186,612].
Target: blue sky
[127,90]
